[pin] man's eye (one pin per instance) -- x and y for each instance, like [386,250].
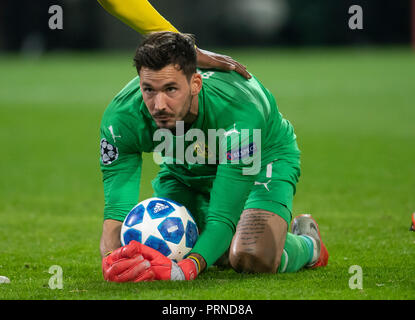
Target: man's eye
[171,89]
[148,90]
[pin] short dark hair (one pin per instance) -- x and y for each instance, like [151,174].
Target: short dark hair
[161,49]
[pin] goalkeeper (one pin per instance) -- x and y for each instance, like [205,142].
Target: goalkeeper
[242,214]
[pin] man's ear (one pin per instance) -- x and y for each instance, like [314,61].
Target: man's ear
[196,83]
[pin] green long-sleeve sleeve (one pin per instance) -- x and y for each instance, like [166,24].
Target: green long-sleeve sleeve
[228,196]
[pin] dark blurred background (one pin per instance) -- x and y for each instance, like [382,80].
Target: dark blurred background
[86,25]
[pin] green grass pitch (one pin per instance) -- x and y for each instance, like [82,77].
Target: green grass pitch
[353,112]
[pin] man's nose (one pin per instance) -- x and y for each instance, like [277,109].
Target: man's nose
[160,102]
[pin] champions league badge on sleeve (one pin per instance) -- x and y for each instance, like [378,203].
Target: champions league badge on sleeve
[109,153]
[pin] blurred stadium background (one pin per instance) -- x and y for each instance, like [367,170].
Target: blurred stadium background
[24,27]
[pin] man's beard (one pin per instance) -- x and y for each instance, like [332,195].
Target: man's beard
[187,116]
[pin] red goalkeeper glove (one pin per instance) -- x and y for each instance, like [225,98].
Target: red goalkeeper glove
[137,262]
[125,264]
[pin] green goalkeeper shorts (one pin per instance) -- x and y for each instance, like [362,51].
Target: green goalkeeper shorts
[273,191]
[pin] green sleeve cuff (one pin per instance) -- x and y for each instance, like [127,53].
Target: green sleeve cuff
[117,212]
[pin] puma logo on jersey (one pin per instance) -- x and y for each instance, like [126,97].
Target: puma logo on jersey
[111,129]
[265,184]
[229,132]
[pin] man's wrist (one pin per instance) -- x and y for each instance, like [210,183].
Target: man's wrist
[199,261]
[196,262]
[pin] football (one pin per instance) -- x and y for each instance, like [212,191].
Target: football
[162,224]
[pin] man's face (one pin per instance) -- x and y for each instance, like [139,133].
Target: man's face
[167,94]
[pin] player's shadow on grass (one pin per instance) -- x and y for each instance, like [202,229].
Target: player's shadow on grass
[227,273]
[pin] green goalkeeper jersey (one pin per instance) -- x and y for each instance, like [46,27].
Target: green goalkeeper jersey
[238,130]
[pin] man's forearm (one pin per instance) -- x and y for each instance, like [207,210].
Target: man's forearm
[110,239]
[138,14]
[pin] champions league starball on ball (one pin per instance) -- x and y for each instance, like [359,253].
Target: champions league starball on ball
[161,224]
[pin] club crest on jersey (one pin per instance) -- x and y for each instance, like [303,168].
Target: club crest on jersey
[202,150]
[109,152]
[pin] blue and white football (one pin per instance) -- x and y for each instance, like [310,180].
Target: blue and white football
[162,224]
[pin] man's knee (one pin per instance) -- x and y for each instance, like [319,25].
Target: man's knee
[253,261]
[258,242]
